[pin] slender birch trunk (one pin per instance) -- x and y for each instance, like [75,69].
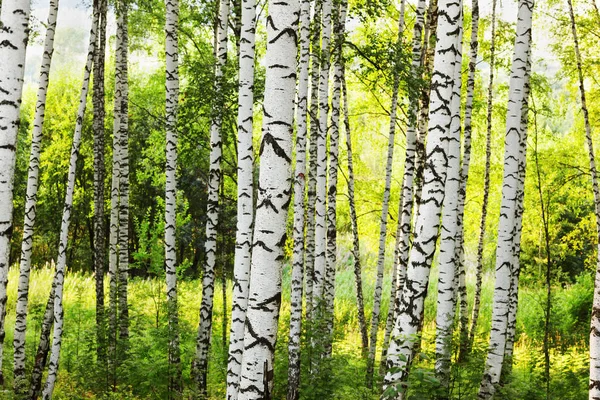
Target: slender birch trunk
[99,175]
[464,177]
[299,208]
[41,354]
[507,226]
[594,386]
[312,165]
[427,224]
[212,209]
[406,202]
[245,205]
[14,17]
[486,183]
[66,217]
[20,384]
[273,199]
[446,298]
[123,179]
[172,100]
[321,188]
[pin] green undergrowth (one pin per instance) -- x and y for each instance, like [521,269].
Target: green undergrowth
[144,373]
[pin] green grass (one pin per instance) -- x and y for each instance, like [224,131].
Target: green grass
[144,374]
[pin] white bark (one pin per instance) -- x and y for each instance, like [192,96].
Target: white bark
[428,219]
[31,202]
[172,100]
[272,202]
[245,205]
[66,219]
[212,208]
[14,18]
[299,209]
[506,225]
[446,298]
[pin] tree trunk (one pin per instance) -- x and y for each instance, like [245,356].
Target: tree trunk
[273,199]
[427,224]
[99,174]
[299,209]
[507,223]
[172,100]
[43,347]
[212,209]
[360,304]
[66,217]
[14,17]
[406,197]
[245,205]
[446,298]
[464,177]
[20,383]
[486,184]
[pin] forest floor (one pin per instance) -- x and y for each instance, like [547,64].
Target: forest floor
[144,374]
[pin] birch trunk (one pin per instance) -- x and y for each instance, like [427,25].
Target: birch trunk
[446,298]
[14,17]
[41,355]
[486,184]
[272,202]
[594,386]
[245,205]
[172,100]
[212,209]
[20,382]
[427,224]
[312,166]
[299,209]
[360,304]
[406,202]
[507,224]
[66,217]
[464,177]
[99,174]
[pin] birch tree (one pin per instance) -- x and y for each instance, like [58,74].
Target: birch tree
[506,225]
[486,183]
[30,205]
[14,18]
[427,223]
[245,205]
[212,209]
[41,355]
[272,202]
[66,216]
[594,385]
[299,208]
[172,100]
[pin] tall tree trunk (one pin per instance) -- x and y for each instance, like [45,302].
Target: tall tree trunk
[506,226]
[14,17]
[486,183]
[66,217]
[212,209]
[406,197]
[123,179]
[299,208]
[464,177]
[312,166]
[245,205]
[594,386]
[172,100]
[446,298]
[360,304]
[20,383]
[427,224]
[272,202]
[99,174]
[41,354]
